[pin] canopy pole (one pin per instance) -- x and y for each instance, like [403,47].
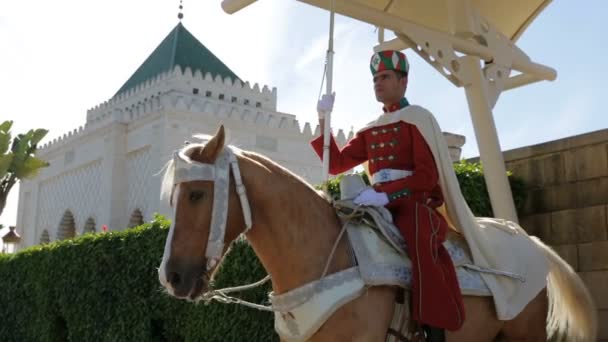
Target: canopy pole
[329,68]
[490,153]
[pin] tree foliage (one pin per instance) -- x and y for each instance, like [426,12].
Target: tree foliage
[17,157]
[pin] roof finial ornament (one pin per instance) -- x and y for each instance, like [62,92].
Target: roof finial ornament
[180,15]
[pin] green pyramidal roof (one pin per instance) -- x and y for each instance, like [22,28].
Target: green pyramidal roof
[181,48]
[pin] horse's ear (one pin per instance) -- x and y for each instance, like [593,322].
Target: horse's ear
[213,147]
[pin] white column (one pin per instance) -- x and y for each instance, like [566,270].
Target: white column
[490,152]
[21,218]
[27,213]
[114,178]
[159,155]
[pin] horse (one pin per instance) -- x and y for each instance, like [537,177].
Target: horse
[282,215]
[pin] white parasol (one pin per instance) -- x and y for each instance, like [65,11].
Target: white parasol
[472,44]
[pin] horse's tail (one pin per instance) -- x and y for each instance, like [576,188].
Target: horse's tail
[572,314]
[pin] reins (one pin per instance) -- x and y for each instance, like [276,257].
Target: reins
[221,295]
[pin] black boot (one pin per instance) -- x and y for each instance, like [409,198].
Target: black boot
[434,334]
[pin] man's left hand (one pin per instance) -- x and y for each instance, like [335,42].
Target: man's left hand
[371,197]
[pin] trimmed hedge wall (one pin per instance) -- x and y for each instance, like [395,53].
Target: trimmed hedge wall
[472,184]
[473,187]
[104,287]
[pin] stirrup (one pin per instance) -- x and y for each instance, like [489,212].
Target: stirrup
[434,334]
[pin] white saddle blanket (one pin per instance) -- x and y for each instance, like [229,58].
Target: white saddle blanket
[381,264]
[381,260]
[302,311]
[382,253]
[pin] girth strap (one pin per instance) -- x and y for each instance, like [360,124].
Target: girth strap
[399,336]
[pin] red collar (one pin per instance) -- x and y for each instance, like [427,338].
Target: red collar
[396,106]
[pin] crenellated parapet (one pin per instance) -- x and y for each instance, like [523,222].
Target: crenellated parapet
[61,139]
[145,97]
[133,103]
[195,92]
[340,138]
[74,134]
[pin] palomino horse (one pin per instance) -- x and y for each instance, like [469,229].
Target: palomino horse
[293,231]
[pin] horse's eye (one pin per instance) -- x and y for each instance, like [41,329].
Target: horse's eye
[195,196]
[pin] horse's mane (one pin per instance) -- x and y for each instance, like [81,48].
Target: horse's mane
[277,168]
[166,184]
[169,168]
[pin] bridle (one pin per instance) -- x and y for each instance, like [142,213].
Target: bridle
[187,170]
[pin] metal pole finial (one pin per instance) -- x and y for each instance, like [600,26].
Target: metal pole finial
[180,15]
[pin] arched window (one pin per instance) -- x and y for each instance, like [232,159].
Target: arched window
[67,227]
[137,218]
[44,237]
[89,226]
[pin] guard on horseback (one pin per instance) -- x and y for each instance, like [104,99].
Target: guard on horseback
[405,180]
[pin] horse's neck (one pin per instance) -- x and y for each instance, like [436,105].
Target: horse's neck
[294,230]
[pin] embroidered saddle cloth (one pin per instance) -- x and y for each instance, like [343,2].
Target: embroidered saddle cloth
[380,261]
[381,251]
[381,255]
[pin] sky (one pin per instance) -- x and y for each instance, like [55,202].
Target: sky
[60,58]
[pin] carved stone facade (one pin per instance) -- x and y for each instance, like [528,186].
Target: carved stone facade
[106,173]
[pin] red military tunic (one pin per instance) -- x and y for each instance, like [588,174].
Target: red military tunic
[436,296]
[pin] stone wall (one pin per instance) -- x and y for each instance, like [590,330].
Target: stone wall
[567,205]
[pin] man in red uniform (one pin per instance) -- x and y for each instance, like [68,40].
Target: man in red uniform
[405,180]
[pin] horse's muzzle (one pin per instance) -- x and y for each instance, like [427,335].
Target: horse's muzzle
[184,281]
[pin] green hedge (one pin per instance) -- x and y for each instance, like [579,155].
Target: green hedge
[473,187]
[104,287]
[472,184]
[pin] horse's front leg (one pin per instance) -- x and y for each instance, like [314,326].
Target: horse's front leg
[365,319]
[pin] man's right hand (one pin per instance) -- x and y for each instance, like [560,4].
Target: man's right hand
[325,105]
[371,197]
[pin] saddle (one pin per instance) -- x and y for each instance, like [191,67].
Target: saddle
[380,255]
[381,251]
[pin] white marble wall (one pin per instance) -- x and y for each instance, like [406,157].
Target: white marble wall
[111,166]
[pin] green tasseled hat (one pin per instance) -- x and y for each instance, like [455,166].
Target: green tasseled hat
[388,60]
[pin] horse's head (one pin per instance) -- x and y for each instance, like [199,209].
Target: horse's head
[202,193]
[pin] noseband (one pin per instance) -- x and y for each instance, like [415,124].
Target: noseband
[187,170]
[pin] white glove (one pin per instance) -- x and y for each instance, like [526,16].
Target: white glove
[325,105]
[371,197]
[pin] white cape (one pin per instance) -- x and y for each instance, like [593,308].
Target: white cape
[495,244]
